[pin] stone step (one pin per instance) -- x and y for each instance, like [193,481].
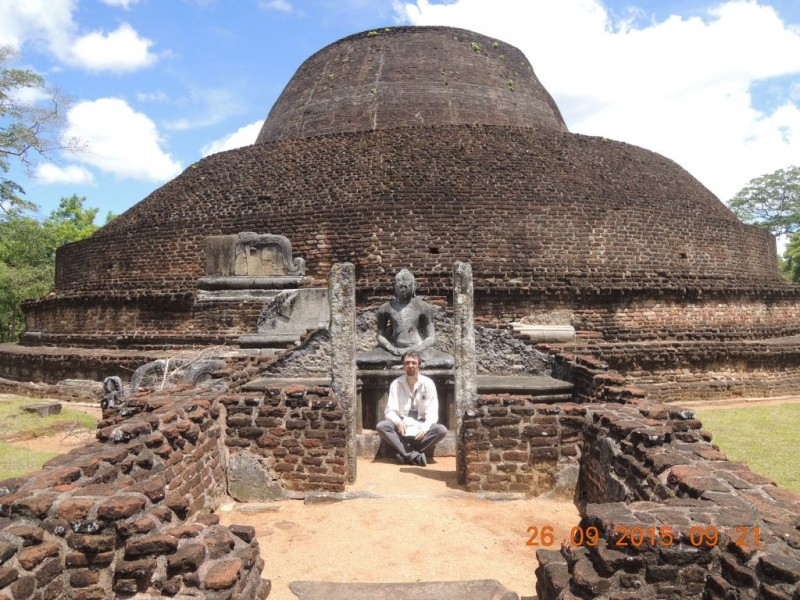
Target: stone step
[272,340]
[480,589]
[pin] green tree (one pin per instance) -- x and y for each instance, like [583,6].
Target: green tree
[26,268]
[771,201]
[27,255]
[31,120]
[790,267]
[71,222]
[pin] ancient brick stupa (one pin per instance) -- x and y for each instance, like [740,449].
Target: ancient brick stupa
[417,147]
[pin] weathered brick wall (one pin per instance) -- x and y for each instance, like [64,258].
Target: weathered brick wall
[682,385]
[146,321]
[704,369]
[648,315]
[513,444]
[128,513]
[299,430]
[650,475]
[487,195]
[51,365]
[410,75]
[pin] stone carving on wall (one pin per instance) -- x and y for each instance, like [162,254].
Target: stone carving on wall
[251,261]
[405,323]
[250,254]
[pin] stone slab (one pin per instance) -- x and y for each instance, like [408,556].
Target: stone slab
[486,383]
[482,589]
[43,409]
[258,340]
[251,283]
[532,384]
[258,385]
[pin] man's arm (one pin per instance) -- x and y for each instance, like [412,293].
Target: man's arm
[392,411]
[431,407]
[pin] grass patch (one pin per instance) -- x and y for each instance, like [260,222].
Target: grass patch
[16,461]
[13,419]
[764,437]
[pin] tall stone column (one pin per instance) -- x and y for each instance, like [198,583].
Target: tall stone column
[466,378]
[342,295]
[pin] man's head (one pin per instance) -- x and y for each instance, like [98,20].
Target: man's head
[411,363]
[405,286]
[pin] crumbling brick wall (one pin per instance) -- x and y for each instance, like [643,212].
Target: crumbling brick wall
[514,444]
[666,514]
[132,512]
[299,430]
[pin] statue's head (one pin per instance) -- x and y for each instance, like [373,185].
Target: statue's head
[405,287]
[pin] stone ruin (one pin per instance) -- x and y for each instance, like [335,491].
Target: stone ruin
[419,154]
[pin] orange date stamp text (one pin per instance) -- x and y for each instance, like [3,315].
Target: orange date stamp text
[637,536]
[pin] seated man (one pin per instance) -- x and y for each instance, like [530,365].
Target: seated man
[405,323]
[411,426]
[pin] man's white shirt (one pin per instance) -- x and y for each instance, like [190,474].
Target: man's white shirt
[423,398]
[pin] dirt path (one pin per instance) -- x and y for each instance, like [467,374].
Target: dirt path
[421,527]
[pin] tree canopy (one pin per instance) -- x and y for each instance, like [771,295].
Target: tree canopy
[27,255]
[31,121]
[772,201]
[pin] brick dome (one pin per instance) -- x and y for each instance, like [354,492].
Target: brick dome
[411,76]
[542,215]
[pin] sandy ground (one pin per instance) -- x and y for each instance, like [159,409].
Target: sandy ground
[422,527]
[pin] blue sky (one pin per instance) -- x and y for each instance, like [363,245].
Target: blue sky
[157,84]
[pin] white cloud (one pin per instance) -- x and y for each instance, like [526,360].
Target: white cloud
[126,4]
[51,173]
[217,105]
[38,21]
[680,86]
[50,23]
[121,50]
[278,5]
[120,141]
[244,136]
[160,97]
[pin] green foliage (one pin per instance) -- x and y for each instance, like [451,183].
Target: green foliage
[27,255]
[70,222]
[476,47]
[790,265]
[771,201]
[764,437]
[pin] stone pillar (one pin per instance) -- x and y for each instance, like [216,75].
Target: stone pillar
[466,379]
[342,295]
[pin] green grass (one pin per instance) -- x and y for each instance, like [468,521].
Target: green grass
[13,419]
[764,437]
[16,461]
